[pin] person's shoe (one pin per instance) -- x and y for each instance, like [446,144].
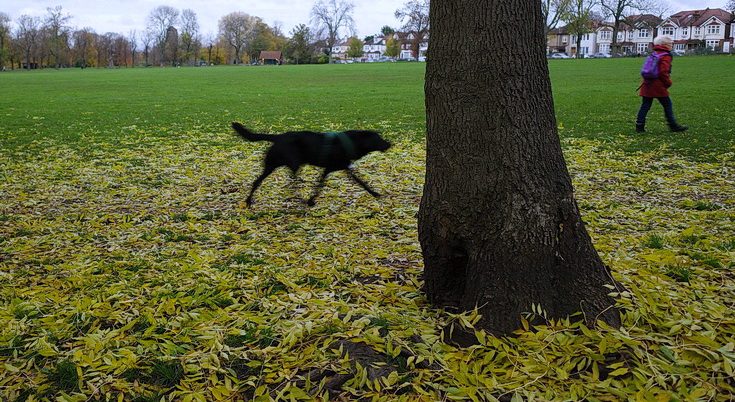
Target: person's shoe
[640,128]
[677,128]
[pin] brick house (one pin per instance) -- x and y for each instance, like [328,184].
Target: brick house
[557,40]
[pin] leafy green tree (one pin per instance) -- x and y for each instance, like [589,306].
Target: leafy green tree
[393,47]
[4,38]
[580,16]
[298,48]
[355,50]
[265,38]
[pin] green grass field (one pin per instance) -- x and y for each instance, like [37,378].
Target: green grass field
[131,270]
[595,99]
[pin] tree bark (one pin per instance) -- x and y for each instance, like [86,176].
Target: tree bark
[499,226]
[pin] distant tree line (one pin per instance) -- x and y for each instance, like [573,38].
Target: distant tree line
[173,37]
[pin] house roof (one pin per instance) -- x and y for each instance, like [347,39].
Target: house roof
[642,21]
[559,31]
[270,55]
[699,17]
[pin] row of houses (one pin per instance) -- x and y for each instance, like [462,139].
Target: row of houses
[711,28]
[375,47]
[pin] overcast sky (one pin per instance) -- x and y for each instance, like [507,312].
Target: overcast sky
[123,16]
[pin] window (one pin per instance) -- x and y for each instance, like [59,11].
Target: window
[605,35]
[685,32]
[643,33]
[642,47]
[713,29]
[669,31]
[697,31]
[712,44]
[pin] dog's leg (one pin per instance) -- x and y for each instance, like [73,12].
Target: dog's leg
[296,184]
[362,183]
[267,171]
[318,188]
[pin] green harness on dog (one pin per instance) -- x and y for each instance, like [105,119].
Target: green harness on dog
[343,139]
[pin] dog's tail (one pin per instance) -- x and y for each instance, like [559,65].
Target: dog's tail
[245,133]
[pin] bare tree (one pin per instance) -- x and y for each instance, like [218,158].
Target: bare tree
[58,33]
[730,6]
[415,18]
[331,18]
[499,227]
[619,11]
[27,37]
[133,42]
[237,29]
[553,12]
[660,8]
[211,42]
[160,20]
[190,41]
[147,40]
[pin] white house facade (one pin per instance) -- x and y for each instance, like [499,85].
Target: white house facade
[711,28]
[691,29]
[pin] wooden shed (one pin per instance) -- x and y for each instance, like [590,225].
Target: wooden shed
[271,57]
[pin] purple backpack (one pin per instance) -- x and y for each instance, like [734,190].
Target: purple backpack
[650,66]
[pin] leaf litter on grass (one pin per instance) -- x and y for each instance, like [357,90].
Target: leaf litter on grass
[132,271]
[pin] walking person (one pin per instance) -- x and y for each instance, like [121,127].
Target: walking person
[658,88]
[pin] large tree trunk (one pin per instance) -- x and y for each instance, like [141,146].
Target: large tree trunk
[499,227]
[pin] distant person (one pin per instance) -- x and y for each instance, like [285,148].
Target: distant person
[658,88]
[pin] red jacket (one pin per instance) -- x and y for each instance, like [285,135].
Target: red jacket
[658,88]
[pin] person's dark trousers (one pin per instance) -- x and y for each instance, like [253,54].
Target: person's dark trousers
[640,122]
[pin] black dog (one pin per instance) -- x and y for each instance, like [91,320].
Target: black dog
[332,151]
